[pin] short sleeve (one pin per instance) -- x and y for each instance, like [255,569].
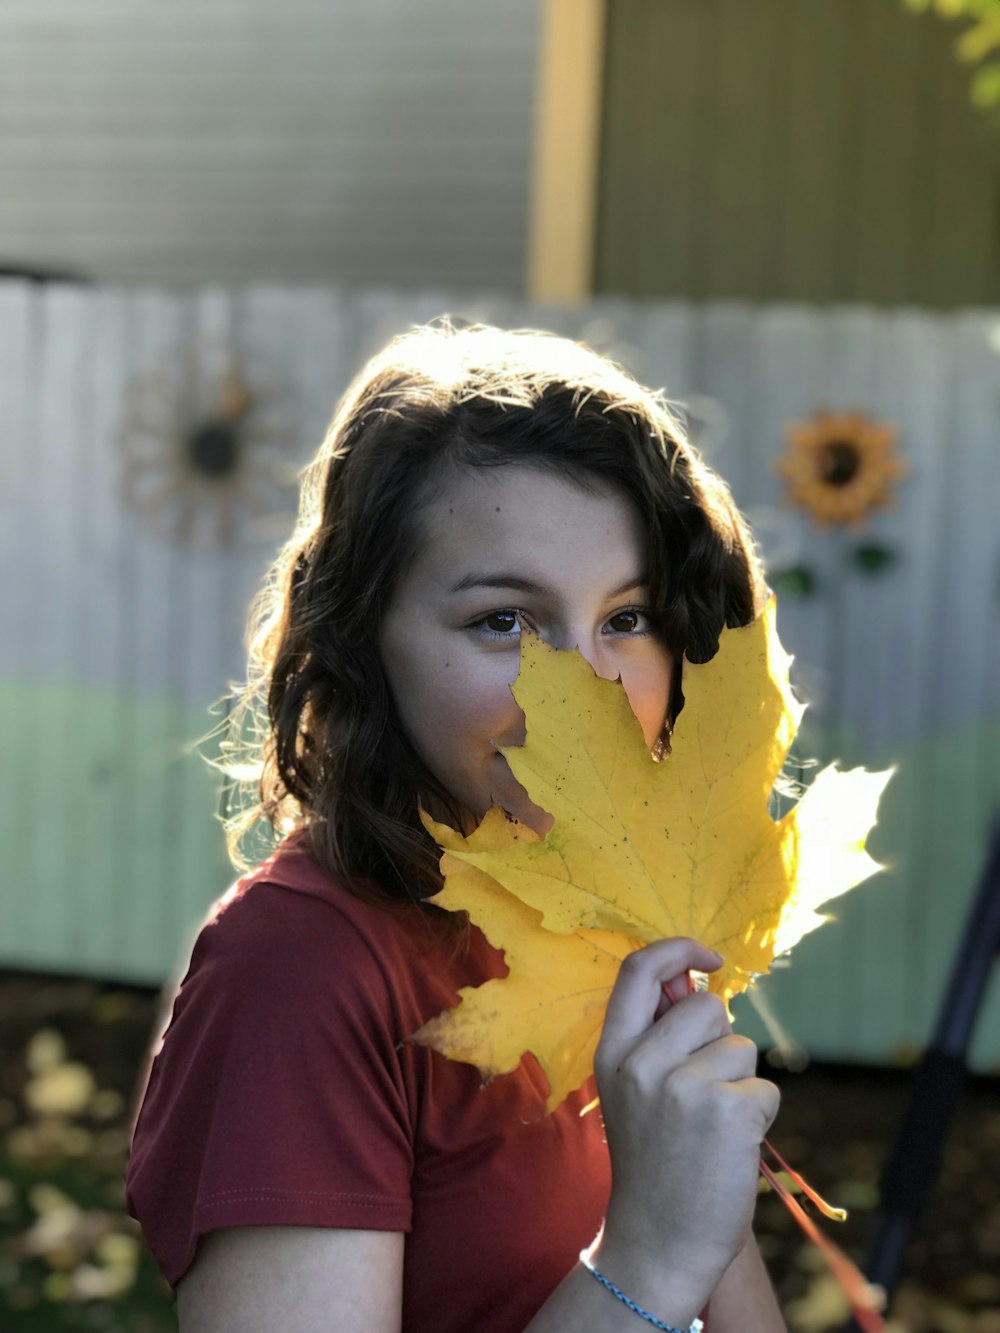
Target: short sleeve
[277,1095]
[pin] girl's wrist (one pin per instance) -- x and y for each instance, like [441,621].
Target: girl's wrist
[675,1294]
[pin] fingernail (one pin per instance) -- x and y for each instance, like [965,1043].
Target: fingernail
[718,955]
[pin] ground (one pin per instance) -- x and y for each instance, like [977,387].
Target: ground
[71,1259]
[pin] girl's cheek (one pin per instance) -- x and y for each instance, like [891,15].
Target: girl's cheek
[480,702]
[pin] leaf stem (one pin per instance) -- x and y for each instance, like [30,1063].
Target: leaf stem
[864,1298]
[827,1209]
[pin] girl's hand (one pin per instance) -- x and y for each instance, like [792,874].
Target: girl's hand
[685,1115]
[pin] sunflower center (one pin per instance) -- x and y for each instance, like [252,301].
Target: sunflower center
[213,448]
[839,463]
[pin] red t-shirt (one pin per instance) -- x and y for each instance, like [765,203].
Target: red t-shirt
[282,1094]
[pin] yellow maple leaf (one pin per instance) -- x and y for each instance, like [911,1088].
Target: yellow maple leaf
[642,849]
[553,1000]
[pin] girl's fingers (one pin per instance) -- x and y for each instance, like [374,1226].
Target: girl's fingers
[690,1028]
[768,1095]
[638,990]
[673,991]
[728,1059]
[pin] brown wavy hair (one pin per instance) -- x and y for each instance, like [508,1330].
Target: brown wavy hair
[326,746]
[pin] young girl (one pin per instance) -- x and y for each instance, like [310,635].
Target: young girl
[296,1164]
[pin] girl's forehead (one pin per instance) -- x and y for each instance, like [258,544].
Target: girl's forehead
[528,518]
[527,483]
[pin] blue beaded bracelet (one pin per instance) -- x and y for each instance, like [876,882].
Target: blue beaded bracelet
[696,1327]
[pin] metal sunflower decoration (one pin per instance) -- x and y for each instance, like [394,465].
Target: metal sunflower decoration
[198,455]
[840,466]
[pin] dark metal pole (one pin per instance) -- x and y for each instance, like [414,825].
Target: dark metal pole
[937,1082]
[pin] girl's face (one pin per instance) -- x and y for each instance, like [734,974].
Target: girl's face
[504,548]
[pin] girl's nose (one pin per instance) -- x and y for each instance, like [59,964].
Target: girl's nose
[595,651]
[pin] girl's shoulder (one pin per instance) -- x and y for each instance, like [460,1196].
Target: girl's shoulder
[289,935]
[282,1090]
[289,893]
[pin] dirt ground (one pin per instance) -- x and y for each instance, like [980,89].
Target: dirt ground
[70,1052]
[836,1126]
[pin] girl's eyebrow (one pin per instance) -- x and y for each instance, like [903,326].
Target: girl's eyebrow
[518,583]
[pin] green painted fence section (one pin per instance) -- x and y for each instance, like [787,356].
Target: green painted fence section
[111,845]
[121,625]
[867,986]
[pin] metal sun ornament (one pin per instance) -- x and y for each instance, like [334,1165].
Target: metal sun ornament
[841,466]
[194,470]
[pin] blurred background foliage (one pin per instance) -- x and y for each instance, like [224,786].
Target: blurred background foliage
[977,44]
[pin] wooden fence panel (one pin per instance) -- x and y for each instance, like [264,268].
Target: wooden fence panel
[120,631]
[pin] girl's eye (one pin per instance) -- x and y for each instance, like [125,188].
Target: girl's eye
[629,622]
[506,623]
[500,624]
